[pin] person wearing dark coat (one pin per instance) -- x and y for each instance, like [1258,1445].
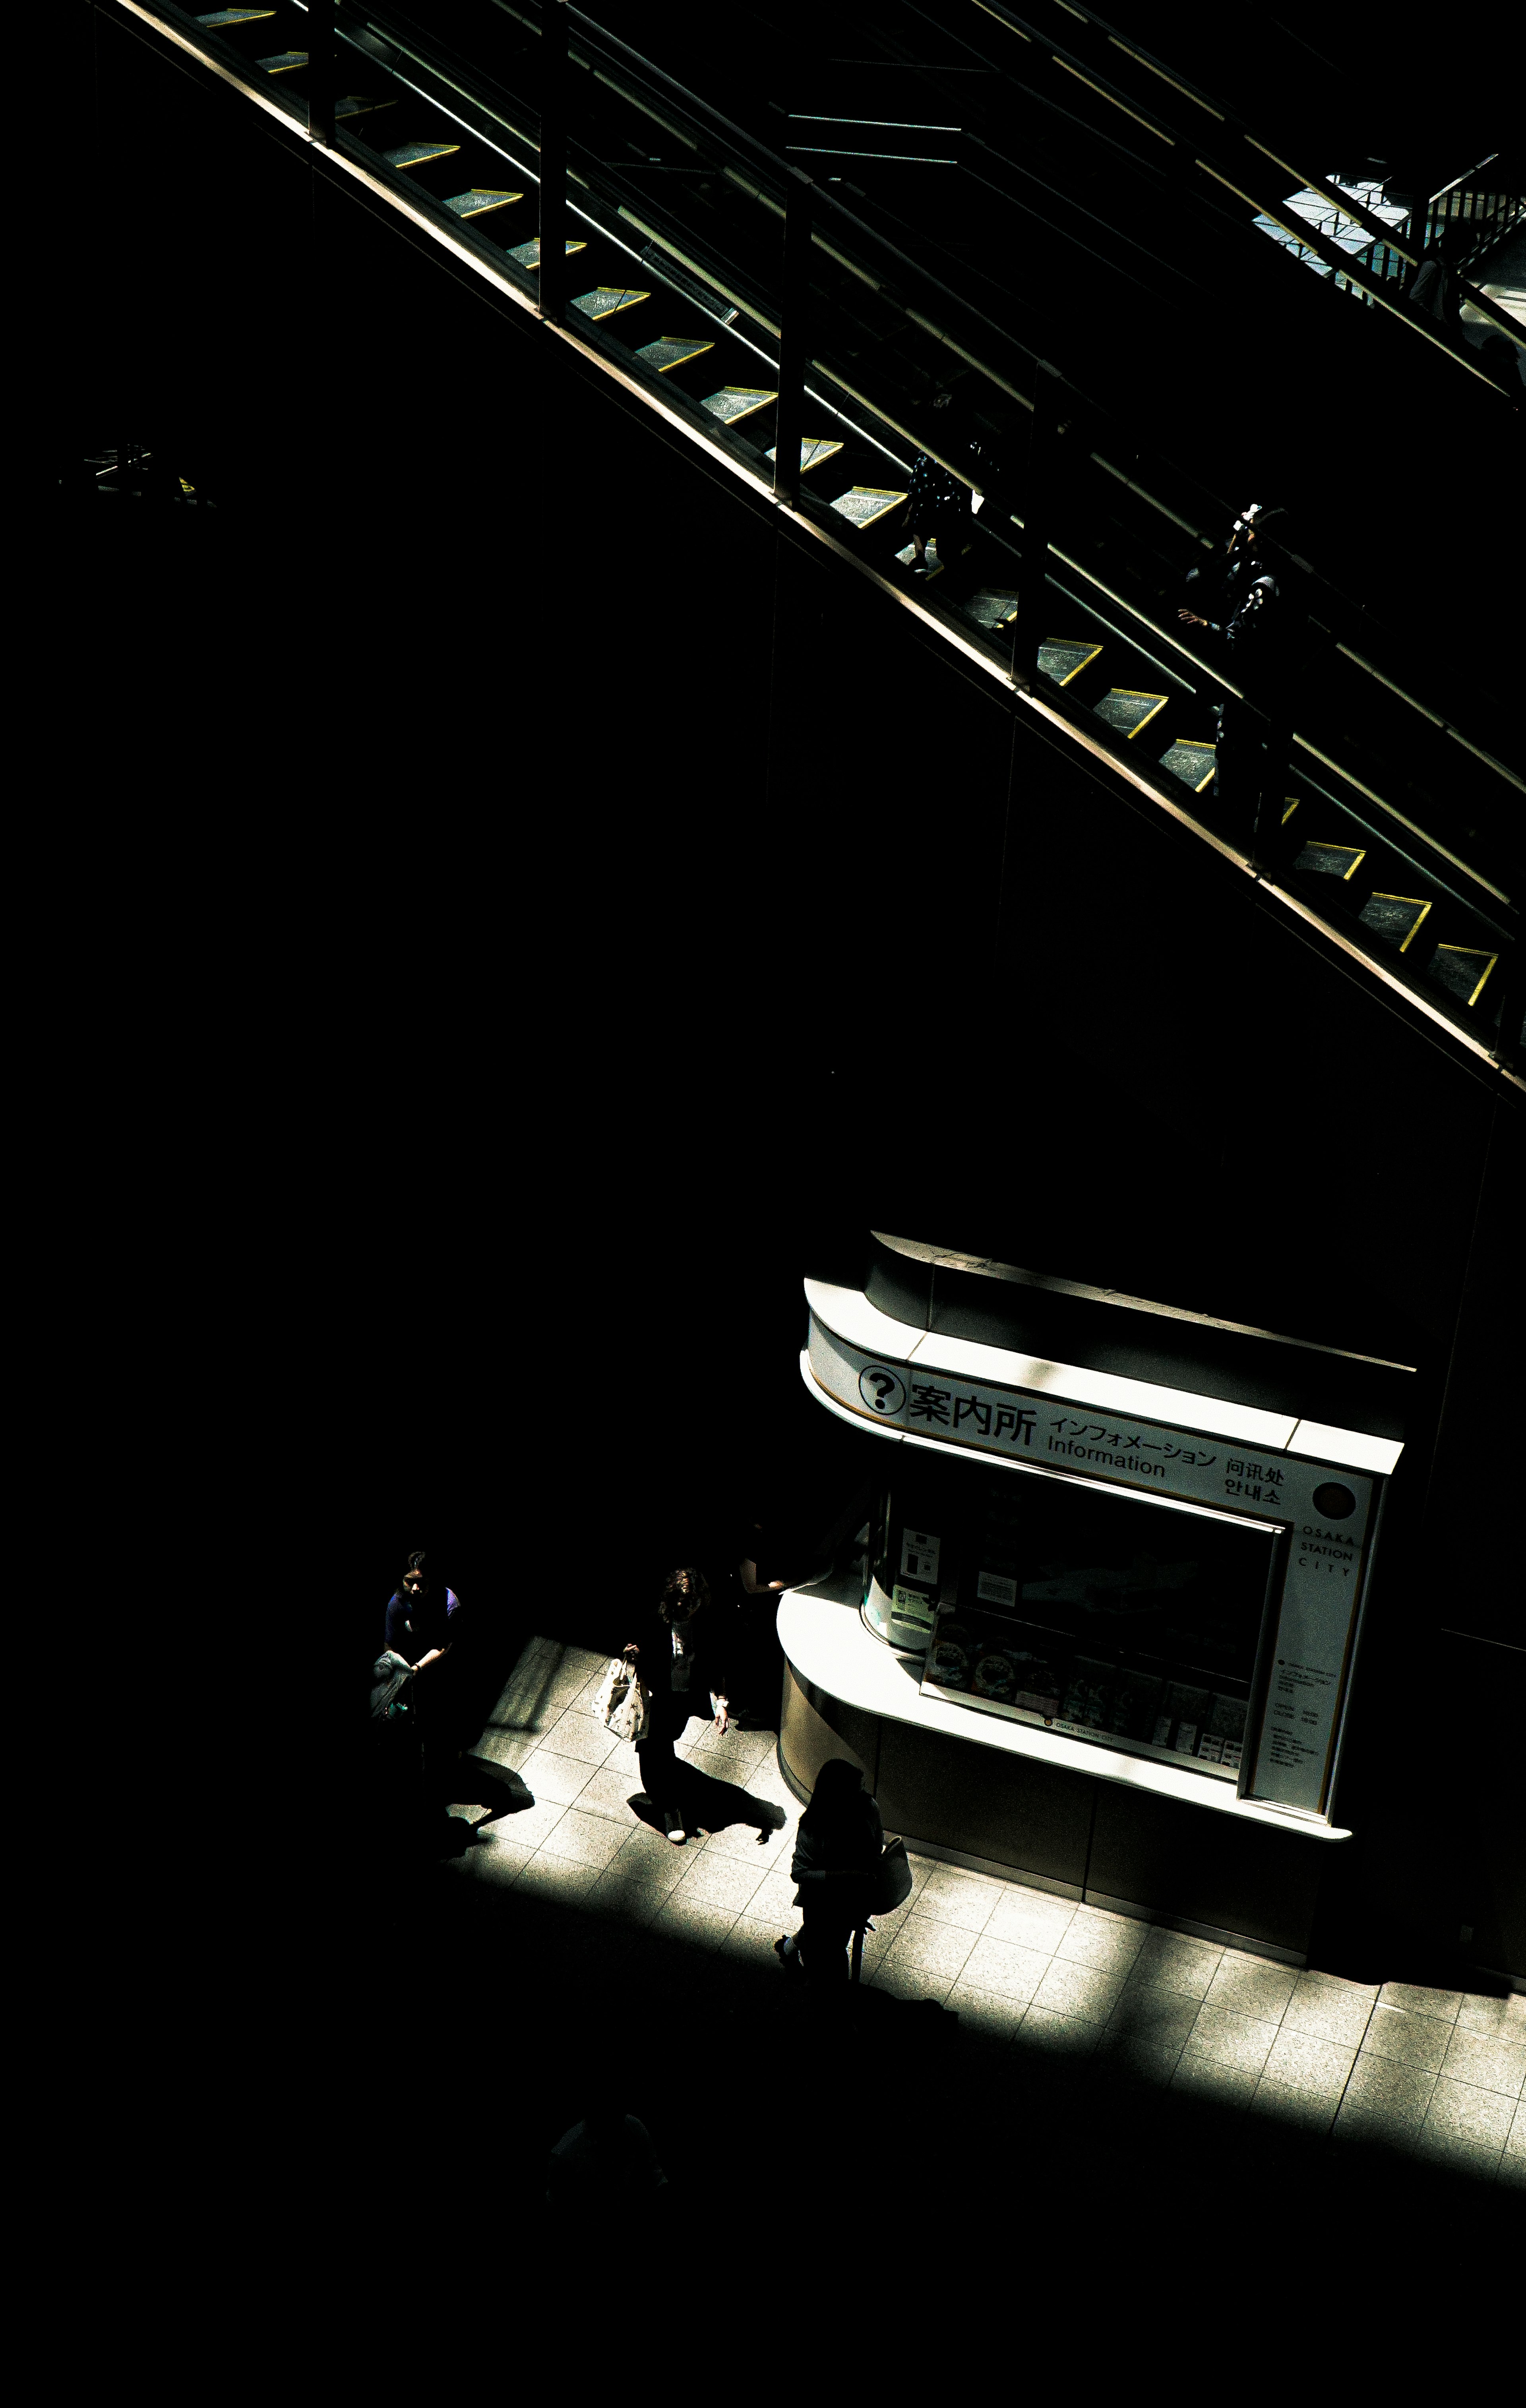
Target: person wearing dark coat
[837,1847]
[1252,633]
[679,1658]
[1432,291]
[1215,591]
[937,503]
[424,1623]
[752,1611]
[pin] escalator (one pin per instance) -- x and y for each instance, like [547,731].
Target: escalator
[1383,821]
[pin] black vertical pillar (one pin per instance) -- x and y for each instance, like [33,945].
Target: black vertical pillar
[1039,501]
[1286,672]
[554,101]
[1509,1047]
[320,70]
[1274,738]
[794,342]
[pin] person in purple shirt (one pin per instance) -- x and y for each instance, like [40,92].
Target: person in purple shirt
[419,1617]
[421,1627]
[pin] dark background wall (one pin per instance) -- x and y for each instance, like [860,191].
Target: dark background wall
[566,909]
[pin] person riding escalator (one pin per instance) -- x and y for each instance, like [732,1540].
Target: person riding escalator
[1253,637]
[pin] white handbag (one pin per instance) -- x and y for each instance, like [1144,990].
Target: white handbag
[622,1703]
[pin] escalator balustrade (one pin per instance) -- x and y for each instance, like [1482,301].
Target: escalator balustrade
[693,321]
[1437,933]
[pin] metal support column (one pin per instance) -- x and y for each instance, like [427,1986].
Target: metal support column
[795,340]
[1509,1049]
[1275,752]
[1038,502]
[320,70]
[555,285]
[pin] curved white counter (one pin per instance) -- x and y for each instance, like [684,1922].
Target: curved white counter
[829,1648]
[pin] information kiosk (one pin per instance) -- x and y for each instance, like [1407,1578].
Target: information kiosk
[1100,1631]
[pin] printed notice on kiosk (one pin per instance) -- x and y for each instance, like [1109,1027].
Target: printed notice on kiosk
[1298,1717]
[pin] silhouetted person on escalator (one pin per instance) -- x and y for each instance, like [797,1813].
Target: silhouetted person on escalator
[1252,641]
[939,505]
[1215,592]
[1433,291]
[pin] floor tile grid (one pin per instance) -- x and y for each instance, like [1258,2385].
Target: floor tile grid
[1289,2046]
[581,1836]
[1295,2042]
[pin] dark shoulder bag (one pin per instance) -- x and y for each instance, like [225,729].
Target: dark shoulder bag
[890,1883]
[391,1684]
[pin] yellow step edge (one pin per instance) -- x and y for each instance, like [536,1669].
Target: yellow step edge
[1327,844]
[1084,664]
[1422,911]
[1137,694]
[1473,953]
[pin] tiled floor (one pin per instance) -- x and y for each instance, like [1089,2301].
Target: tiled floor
[1423,2074]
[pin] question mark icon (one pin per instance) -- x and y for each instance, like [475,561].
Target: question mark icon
[882,1390]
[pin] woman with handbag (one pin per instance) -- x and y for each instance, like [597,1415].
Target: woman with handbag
[679,1663]
[837,1854]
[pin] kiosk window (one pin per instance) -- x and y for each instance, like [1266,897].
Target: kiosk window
[1133,1620]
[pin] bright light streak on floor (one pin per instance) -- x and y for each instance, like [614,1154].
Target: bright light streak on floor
[1430,2073]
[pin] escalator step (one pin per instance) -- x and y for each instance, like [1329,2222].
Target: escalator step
[737,401]
[480,202]
[1063,658]
[418,154]
[1332,860]
[1462,970]
[813,449]
[989,608]
[356,103]
[1192,762]
[1396,918]
[234,16]
[863,504]
[605,300]
[1126,710]
[528,253]
[284,61]
[907,557]
[671,352]
[1289,803]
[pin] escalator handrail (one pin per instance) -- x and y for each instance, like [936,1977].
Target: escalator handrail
[1412,827]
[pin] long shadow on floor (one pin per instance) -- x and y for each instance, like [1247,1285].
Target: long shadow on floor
[710,1805]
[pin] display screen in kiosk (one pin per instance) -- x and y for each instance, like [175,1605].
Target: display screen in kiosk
[1134,1621]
